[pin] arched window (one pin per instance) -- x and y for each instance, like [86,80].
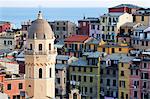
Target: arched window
[30,46]
[40,73]
[50,72]
[40,47]
[49,46]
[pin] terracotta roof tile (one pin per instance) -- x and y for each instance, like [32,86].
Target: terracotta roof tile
[77,38]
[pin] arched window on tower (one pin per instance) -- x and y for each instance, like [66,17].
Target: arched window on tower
[30,46]
[50,72]
[40,47]
[49,46]
[40,73]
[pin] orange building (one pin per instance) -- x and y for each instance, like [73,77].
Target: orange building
[13,86]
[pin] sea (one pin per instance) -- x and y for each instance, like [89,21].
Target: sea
[18,15]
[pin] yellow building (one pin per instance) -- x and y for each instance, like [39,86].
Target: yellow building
[142,16]
[124,73]
[40,59]
[110,48]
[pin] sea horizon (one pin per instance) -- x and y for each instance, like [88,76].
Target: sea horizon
[16,15]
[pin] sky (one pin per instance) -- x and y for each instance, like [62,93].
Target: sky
[71,3]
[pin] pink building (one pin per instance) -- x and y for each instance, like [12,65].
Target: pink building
[140,75]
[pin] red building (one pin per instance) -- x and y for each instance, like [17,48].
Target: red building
[129,8]
[83,27]
[4,26]
[75,45]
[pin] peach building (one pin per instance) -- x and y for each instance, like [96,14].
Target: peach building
[40,58]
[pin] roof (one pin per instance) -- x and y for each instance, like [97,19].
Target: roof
[60,66]
[141,28]
[120,57]
[128,24]
[3,22]
[112,14]
[93,41]
[76,38]
[62,57]
[147,29]
[126,5]
[40,29]
[93,54]
[79,62]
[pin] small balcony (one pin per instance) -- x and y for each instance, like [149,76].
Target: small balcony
[31,52]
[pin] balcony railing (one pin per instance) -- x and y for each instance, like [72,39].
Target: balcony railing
[30,52]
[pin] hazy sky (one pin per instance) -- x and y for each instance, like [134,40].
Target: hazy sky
[70,3]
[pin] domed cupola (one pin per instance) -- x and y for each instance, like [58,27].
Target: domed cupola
[40,29]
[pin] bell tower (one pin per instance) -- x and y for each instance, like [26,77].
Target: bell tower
[40,57]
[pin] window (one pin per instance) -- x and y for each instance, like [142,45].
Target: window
[91,69]
[135,94]
[146,43]
[74,77]
[73,68]
[113,50]
[108,82]
[9,87]
[103,20]
[97,27]
[93,27]
[103,49]
[134,18]
[91,90]
[142,18]
[20,85]
[122,84]
[122,95]
[113,28]
[142,43]
[91,79]
[40,73]
[136,72]
[85,89]
[84,78]
[145,65]
[30,46]
[84,69]
[120,49]
[50,72]
[122,65]
[79,68]
[114,82]
[101,72]
[57,28]
[10,42]
[40,47]
[108,71]
[122,73]
[101,81]
[103,28]
[49,46]
[58,80]
[64,29]
[79,78]
[4,42]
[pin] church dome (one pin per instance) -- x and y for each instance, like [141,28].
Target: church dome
[40,29]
